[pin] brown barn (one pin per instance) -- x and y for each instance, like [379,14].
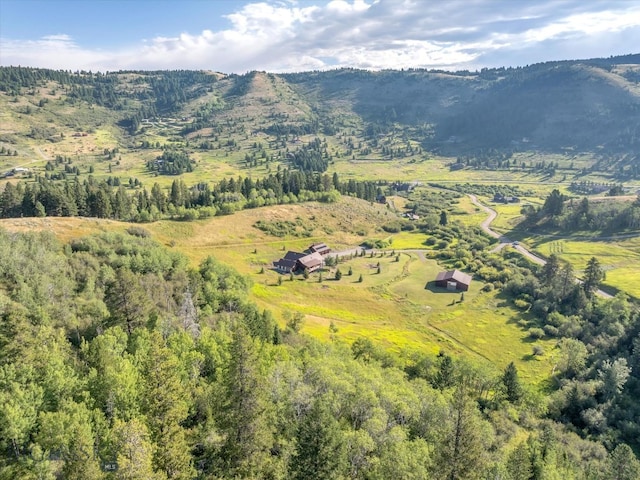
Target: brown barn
[453,280]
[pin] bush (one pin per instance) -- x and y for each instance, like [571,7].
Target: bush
[536,333]
[487,288]
[551,331]
[537,351]
[392,227]
[138,232]
[378,244]
[408,227]
[521,304]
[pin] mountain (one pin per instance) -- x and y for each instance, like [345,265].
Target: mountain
[579,105]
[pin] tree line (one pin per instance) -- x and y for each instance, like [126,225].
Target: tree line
[93,198]
[570,215]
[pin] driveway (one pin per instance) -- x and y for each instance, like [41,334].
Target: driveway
[504,240]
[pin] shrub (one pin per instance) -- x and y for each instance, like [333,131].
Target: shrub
[408,227]
[379,244]
[536,333]
[521,304]
[138,232]
[392,227]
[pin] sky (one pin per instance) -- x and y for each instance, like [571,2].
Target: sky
[237,36]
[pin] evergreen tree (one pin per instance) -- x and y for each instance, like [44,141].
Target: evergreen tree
[554,204]
[519,463]
[623,464]
[445,376]
[511,383]
[550,270]
[166,408]
[134,451]
[244,415]
[462,453]
[127,300]
[593,275]
[320,450]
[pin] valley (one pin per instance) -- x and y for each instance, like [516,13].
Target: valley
[149,209]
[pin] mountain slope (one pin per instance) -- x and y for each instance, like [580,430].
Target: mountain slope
[588,106]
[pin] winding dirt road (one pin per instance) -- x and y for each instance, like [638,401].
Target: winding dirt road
[504,241]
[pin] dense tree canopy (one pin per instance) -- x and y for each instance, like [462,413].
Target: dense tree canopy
[118,360]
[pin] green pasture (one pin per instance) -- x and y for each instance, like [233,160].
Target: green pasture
[397,308]
[407,240]
[402,310]
[619,258]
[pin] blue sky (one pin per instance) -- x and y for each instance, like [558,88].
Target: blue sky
[287,35]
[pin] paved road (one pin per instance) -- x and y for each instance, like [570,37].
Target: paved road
[504,241]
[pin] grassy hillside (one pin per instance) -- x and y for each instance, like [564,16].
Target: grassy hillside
[540,121]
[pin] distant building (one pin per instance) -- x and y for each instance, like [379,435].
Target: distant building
[453,280]
[500,198]
[311,262]
[289,263]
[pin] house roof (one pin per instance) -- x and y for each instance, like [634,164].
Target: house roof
[312,260]
[285,263]
[319,247]
[456,275]
[294,256]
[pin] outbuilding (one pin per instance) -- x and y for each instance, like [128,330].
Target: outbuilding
[320,248]
[453,280]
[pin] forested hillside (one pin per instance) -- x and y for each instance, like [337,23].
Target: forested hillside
[121,361]
[580,105]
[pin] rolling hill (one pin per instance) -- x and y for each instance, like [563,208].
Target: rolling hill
[590,105]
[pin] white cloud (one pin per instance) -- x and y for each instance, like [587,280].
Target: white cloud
[365,34]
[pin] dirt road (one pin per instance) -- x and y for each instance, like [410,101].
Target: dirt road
[504,241]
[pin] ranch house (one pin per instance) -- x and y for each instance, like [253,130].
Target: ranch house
[311,260]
